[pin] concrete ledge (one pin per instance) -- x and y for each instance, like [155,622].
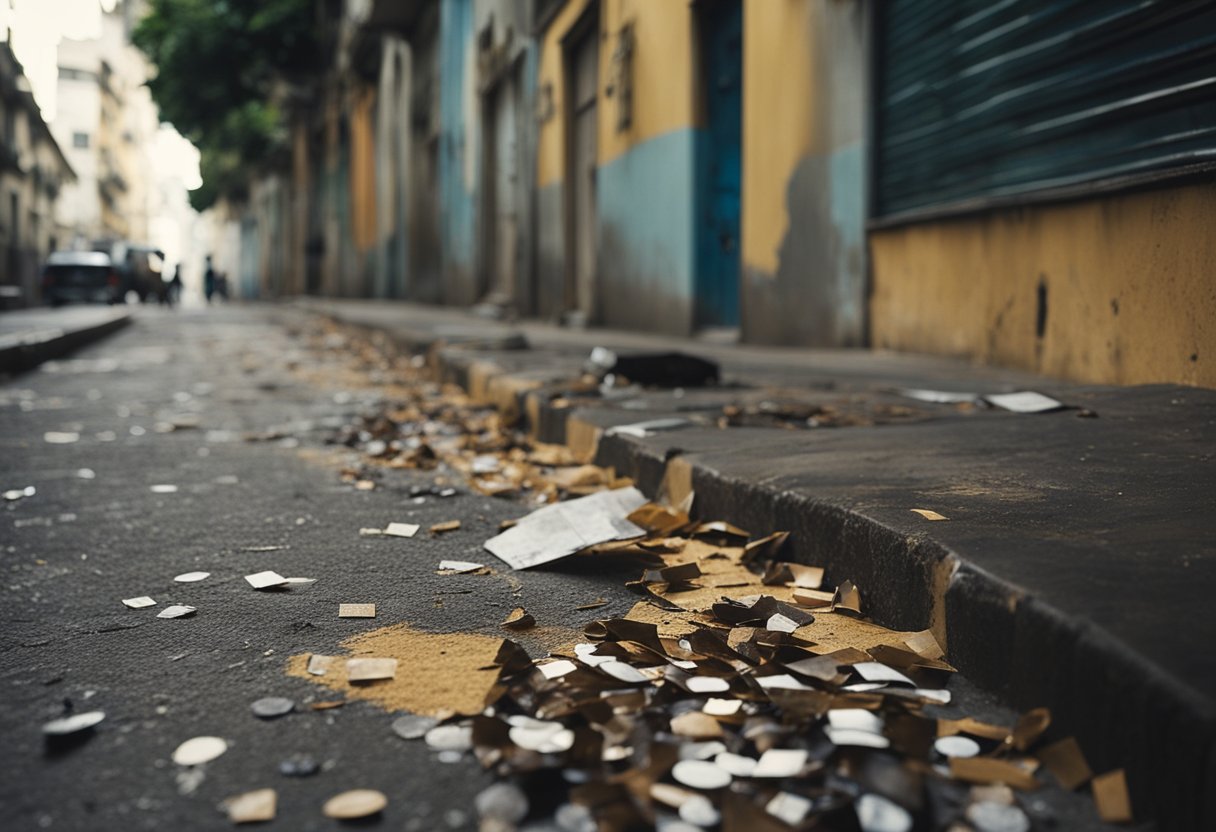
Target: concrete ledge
[22,351]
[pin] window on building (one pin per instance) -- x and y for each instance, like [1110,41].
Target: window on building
[80,140]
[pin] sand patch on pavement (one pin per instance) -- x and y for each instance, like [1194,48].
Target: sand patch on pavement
[437,673]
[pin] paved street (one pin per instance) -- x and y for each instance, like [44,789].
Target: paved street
[169,402]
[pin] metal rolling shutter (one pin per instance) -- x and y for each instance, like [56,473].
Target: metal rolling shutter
[983,101]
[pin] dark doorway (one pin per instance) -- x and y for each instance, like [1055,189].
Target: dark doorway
[719,162]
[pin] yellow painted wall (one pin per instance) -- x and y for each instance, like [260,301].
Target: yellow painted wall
[778,120]
[1131,288]
[663,69]
[363,169]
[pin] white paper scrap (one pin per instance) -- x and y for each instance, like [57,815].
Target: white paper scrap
[561,529]
[938,396]
[401,529]
[1025,401]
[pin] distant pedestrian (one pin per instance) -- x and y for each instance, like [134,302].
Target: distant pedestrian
[209,280]
[175,286]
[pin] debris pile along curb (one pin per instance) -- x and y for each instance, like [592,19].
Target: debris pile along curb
[1025,650]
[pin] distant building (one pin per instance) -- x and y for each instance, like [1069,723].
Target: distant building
[106,123]
[33,175]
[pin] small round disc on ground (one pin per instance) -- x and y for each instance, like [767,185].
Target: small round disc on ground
[199,750]
[191,577]
[700,774]
[413,726]
[956,746]
[74,724]
[271,707]
[356,803]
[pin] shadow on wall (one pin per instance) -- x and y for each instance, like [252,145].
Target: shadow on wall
[816,298]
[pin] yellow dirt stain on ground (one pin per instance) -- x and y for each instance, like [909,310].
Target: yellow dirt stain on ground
[437,673]
[835,631]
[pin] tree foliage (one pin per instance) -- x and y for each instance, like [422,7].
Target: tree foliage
[217,62]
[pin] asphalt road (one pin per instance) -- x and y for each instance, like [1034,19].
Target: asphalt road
[81,544]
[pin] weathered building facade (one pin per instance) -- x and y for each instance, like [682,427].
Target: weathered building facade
[33,173]
[1027,184]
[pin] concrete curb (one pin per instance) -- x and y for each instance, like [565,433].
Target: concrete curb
[1124,710]
[46,345]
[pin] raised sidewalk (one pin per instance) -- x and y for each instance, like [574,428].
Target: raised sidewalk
[30,337]
[1075,569]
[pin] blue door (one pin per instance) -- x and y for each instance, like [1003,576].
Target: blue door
[720,164]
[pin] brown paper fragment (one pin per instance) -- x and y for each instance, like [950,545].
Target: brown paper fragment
[847,597]
[766,548]
[1110,794]
[658,519]
[676,487]
[812,597]
[446,526]
[1066,762]
[327,704]
[591,605]
[967,725]
[356,610]
[925,643]
[929,514]
[1029,727]
[519,619]
[992,770]
[695,725]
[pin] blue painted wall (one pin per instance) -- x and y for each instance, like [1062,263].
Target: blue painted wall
[646,205]
[457,151]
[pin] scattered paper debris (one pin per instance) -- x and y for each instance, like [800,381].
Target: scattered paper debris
[61,437]
[370,669]
[395,530]
[265,580]
[319,665]
[640,430]
[1066,763]
[519,619]
[15,494]
[139,602]
[939,396]
[163,488]
[562,529]
[591,605]
[444,527]
[356,610]
[1111,796]
[458,567]
[191,577]
[177,611]
[354,804]
[929,514]
[199,750]
[256,806]
[1026,401]
[848,597]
